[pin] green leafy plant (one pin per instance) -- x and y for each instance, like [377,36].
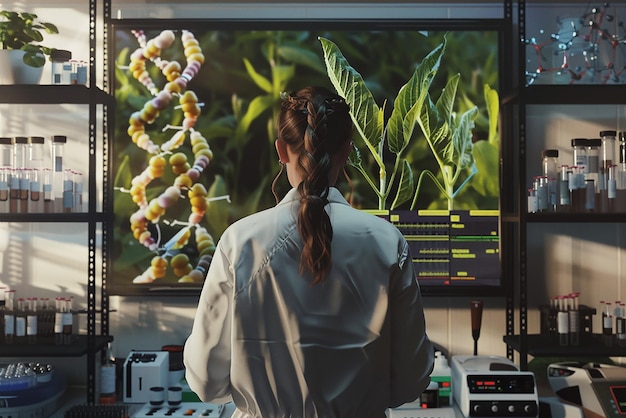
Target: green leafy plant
[23,31]
[448,134]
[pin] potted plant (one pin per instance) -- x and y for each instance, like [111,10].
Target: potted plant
[20,37]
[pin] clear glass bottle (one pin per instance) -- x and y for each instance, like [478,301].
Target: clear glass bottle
[579,149]
[620,201]
[58,147]
[6,151]
[549,164]
[48,192]
[24,174]
[68,322]
[68,190]
[20,322]
[35,205]
[36,153]
[31,320]
[107,377]
[562,321]
[19,162]
[9,316]
[573,319]
[564,192]
[6,162]
[607,160]
[5,180]
[607,324]
[78,192]
[60,308]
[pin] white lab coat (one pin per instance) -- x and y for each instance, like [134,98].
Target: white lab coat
[276,346]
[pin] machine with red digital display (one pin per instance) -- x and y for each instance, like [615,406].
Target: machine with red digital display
[491,386]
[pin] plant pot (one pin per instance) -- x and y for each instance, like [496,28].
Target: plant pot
[14,71]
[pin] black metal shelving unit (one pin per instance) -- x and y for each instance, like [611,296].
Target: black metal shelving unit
[519,340]
[94,341]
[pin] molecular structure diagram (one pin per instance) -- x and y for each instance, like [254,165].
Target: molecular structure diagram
[584,50]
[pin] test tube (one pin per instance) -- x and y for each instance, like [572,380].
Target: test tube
[562,322]
[532,200]
[24,174]
[621,175]
[541,191]
[9,316]
[607,324]
[68,190]
[549,170]
[36,201]
[574,319]
[608,160]
[4,189]
[48,193]
[78,192]
[611,191]
[564,193]
[58,145]
[590,196]
[14,190]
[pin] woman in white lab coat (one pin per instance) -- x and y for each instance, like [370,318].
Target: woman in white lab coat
[310,308]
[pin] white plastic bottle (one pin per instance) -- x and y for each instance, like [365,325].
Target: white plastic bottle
[442,376]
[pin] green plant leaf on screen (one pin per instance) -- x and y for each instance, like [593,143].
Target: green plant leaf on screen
[410,99]
[218,212]
[257,106]
[281,74]
[302,56]
[493,111]
[487,180]
[350,85]
[262,82]
[462,139]
[406,185]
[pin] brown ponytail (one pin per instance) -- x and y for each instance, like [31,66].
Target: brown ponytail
[315,123]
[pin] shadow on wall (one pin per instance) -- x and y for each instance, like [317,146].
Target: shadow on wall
[140,323]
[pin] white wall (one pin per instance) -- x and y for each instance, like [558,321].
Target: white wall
[591,262]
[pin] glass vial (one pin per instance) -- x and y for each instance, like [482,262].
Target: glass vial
[58,147]
[78,192]
[20,322]
[68,190]
[107,378]
[5,174]
[574,320]
[31,320]
[19,159]
[620,202]
[48,193]
[59,311]
[607,324]
[550,172]
[564,192]
[562,322]
[9,316]
[607,160]
[593,160]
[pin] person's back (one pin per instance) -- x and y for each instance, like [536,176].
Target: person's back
[286,342]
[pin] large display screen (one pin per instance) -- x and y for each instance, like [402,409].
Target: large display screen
[194,130]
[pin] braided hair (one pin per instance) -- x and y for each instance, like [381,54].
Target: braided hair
[315,123]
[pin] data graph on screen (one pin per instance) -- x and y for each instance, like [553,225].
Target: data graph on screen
[451,249]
